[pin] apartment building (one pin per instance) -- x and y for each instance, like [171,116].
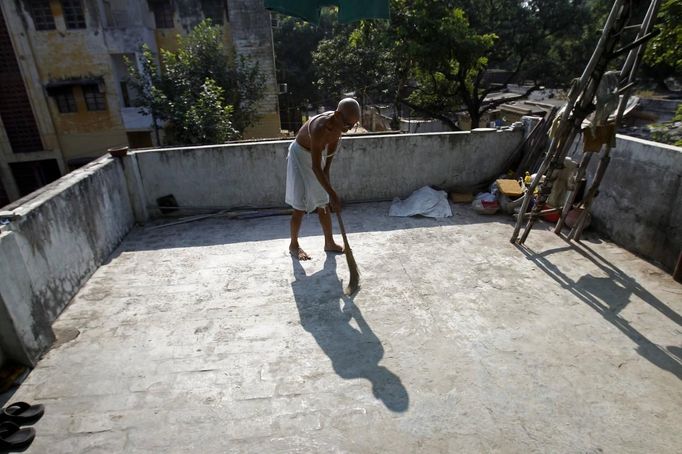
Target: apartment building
[64,98]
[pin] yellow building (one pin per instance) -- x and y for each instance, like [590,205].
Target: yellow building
[63,93]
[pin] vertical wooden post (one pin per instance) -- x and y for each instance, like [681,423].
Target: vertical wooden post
[677,274]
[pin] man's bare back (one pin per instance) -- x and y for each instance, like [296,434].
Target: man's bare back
[324,130]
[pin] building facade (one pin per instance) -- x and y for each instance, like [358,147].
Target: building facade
[64,98]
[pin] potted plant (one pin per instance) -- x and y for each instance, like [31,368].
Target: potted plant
[118,152]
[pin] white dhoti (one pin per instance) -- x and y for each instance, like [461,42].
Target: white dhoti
[304,191]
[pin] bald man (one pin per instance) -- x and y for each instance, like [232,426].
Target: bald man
[309,162]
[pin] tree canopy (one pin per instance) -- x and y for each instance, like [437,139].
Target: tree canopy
[443,57]
[435,55]
[202,92]
[664,53]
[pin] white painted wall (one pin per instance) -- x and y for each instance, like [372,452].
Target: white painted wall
[640,199]
[366,168]
[61,234]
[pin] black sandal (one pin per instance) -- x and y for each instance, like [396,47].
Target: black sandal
[14,438]
[21,413]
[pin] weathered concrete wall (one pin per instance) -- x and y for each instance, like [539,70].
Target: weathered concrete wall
[62,233]
[366,168]
[25,331]
[640,201]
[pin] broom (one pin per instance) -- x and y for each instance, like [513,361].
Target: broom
[354,282]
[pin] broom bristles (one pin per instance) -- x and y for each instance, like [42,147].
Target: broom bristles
[354,282]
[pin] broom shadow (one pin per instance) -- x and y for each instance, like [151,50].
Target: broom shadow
[326,313]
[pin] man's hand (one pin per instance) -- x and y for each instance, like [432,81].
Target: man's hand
[335,202]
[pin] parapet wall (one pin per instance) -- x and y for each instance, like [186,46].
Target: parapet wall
[57,238]
[640,199]
[365,168]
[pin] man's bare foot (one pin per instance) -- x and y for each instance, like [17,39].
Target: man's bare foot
[333,247]
[299,253]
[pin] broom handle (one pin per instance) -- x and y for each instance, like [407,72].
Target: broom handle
[343,232]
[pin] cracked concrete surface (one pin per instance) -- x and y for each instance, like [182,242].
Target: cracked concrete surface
[206,337]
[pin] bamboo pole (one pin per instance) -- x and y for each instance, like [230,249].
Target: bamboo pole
[576,109]
[568,204]
[630,68]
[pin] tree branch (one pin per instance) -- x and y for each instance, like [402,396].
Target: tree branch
[486,106]
[489,90]
[436,115]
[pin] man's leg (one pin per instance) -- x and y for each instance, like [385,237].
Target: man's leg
[294,248]
[326,223]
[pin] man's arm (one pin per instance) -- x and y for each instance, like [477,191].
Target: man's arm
[317,135]
[331,150]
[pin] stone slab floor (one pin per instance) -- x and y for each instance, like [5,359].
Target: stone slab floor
[206,337]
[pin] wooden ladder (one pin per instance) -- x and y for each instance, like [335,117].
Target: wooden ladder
[579,105]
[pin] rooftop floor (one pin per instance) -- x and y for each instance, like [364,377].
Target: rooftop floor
[207,336]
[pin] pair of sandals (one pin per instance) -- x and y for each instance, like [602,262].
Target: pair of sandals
[13,437]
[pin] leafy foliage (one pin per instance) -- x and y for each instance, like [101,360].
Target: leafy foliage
[356,60]
[203,94]
[665,50]
[435,55]
[295,41]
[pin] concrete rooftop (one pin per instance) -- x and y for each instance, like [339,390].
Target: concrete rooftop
[206,337]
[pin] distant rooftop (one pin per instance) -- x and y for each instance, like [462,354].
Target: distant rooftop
[207,337]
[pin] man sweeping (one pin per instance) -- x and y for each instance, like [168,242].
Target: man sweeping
[309,163]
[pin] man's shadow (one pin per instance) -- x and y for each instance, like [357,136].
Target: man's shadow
[326,313]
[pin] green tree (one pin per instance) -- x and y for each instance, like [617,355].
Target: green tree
[449,58]
[664,52]
[202,93]
[295,41]
[356,60]
[559,38]
[455,43]
[435,55]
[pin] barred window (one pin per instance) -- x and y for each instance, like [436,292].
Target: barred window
[64,98]
[73,13]
[163,14]
[41,14]
[94,99]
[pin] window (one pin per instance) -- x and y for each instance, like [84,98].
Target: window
[125,95]
[4,199]
[15,107]
[64,98]
[41,14]
[130,96]
[214,10]
[163,14]
[73,13]
[117,14]
[94,99]
[139,139]
[32,175]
